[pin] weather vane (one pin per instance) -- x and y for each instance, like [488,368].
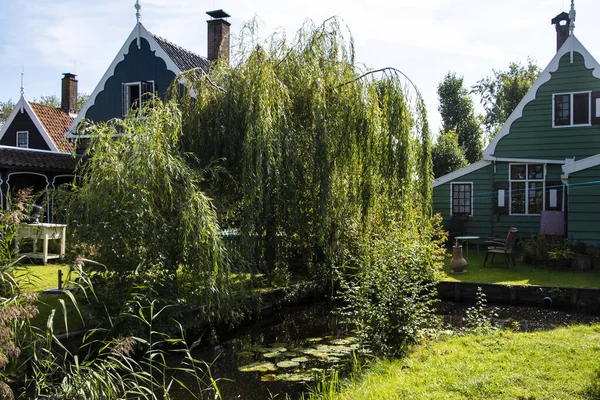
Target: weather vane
[572,15]
[138,16]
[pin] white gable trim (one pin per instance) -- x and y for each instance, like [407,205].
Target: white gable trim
[458,173]
[23,104]
[580,165]
[570,43]
[154,46]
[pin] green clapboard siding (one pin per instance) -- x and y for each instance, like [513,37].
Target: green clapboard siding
[584,206]
[484,222]
[480,223]
[532,135]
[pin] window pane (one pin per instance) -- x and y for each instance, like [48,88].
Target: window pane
[134,96]
[461,199]
[517,197]
[562,107]
[535,197]
[518,172]
[536,171]
[581,108]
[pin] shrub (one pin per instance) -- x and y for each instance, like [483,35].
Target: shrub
[390,295]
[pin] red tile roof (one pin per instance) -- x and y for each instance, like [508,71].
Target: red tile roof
[37,159]
[56,122]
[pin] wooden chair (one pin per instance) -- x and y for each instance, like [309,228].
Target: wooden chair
[503,247]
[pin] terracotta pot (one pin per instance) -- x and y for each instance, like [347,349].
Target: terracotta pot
[458,262]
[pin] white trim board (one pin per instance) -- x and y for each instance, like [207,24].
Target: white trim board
[570,43]
[458,173]
[23,104]
[580,165]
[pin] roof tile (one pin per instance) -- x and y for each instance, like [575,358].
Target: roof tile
[56,122]
[36,159]
[184,59]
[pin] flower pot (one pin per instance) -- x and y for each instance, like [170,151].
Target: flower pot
[458,262]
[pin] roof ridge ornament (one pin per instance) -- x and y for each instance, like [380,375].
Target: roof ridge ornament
[138,16]
[572,15]
[22,87]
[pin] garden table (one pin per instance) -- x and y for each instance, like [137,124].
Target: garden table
[45,232]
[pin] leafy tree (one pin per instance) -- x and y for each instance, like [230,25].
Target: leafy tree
[458,114]
[138,211]
[313,148]
[502,92]
[6,108]
[447,155]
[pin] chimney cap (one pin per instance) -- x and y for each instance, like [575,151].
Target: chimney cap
[563,16]
[218,14]
[69,75]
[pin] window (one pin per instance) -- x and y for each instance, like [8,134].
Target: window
[461,200]
[23,139]
[571,109]
[136,95]
[526,188]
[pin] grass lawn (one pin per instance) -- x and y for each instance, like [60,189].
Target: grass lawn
[522,274]
[558,364]
[37,278]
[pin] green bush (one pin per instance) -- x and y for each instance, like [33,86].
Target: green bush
[390,295]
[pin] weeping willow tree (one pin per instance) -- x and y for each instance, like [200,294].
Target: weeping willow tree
[315,151]
[138,211]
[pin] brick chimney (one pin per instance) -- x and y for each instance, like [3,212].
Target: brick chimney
[562,23]
[218,35]
[69,93]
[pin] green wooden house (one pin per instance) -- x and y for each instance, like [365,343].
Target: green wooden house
[542,169]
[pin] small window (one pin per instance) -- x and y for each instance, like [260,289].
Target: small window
[136,95]
[526,188]
[23,139]
[571,109]
[461,200]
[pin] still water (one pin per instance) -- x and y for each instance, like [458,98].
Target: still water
[282,354]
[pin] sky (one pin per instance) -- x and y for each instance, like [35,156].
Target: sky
[425,39]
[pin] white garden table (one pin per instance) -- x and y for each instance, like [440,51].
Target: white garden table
[45,232]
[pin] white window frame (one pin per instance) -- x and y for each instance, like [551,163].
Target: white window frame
[452,197]
[526,181]
[126,100]
[26,135]
[589,123]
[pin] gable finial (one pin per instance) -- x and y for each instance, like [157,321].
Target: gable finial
[22,86]
[138,16]
[572,15]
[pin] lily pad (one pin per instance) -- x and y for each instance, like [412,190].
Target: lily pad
[314,339]
[261,366]
[269,378]
[300,359]
[274,354]
[287,364]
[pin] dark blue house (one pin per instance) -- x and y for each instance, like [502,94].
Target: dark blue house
[146,65]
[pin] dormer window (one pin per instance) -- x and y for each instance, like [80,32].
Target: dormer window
[23,139]
[571,109]
[136,95]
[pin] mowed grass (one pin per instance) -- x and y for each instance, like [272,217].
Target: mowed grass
[522,274]
[36,278]
[558,364]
